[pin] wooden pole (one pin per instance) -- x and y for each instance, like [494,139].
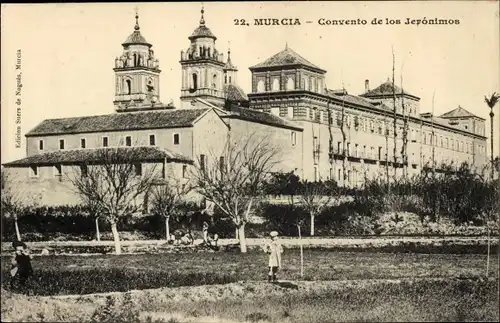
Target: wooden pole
[301,253]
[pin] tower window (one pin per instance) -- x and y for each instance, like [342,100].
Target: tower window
[184,171]
[128,86]
[214,84]
[152,140]
[83,143]
[276,84]
[128,141]
[61,143]
[260,86]
[294,138]
[105,141]
[195,81]
[40,144]
[176,139]
[225,78]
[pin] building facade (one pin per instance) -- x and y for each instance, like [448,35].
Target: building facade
[321,133]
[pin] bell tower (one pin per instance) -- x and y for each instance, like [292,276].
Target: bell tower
[137,74]
[202,68]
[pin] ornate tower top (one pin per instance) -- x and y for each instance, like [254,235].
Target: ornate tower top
[229,65]
[202,31]
[137,73]
[136,37]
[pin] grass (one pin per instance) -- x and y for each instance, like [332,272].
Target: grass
[65,275]
[320,301]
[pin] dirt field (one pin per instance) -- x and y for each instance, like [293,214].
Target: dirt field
[186,287]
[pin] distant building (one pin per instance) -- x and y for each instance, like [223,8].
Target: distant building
[289,105]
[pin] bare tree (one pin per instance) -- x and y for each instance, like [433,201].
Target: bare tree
[315,197]
[394,116]
[491,101]
[234,180]
[166,197]
[11,202]
[116,183]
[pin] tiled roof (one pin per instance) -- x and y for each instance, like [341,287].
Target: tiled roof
[260,117]
[136,39]
[95,156]
[458,113]
[174,118]
[234,93]
[202,31]
[385,89]
[285,58]
[348,98]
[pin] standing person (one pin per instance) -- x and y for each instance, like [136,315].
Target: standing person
[205,232]
[21,265]
[274,249]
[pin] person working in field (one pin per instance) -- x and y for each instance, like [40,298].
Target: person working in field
[274,249]
[21,268]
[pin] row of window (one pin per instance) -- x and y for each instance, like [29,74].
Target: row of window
[105,141]
[450,143]
[307,83]
[58,171]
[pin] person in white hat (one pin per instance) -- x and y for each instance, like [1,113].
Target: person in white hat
[274,249]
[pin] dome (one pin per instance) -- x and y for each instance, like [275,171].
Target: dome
[136,37]
[202,30]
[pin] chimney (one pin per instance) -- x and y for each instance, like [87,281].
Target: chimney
[367,86]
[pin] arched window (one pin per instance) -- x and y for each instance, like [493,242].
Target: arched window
[225,78]
[260,86]
[290,84]
[306,83]
[128,86]
[311,84]
[195,81]
[276,84]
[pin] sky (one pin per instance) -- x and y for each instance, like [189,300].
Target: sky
[68,50]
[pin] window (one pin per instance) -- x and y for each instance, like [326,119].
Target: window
[290,112]
[348,149]
[306,83]
[425,138]
[339,147]
[57,170]
[138,169]
[61,143]
[356,152]
[184,171]
[34,171]
[372,152]
[379,153]
[84,170]
[293,138]
[128,141]
[261,86]
[105,141]
[316,174]
[364,151]
[276,84]
[152,140]
[195,81]
[83,143]
[331,173]
[128,87]
[176,139]
[202,163]
[40,144]
[339,175]
[290,84]
[446,143]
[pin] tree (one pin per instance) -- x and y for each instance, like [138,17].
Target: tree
[11,202]
[116,183]
[315,196]
[166,197]
[234,179]
[491,101]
